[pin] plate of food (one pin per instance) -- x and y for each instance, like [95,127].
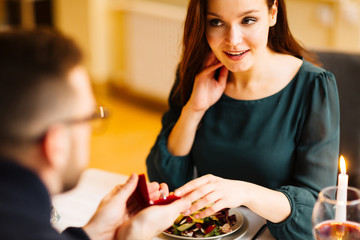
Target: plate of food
[218,225]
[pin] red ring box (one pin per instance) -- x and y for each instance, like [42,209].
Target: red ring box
[141,195]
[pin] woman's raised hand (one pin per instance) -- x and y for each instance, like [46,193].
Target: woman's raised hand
[207,89]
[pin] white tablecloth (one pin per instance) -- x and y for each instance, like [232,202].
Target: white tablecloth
[77,206]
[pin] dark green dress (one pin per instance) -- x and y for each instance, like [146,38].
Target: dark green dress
[288,141]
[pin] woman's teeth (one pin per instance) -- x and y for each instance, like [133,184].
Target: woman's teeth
[236,53]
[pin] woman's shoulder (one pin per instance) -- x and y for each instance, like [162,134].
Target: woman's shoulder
[300,65]
[308,67]
[313,78]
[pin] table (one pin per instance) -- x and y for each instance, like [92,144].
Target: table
[78,205]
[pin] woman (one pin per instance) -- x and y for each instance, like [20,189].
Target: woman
[257,121]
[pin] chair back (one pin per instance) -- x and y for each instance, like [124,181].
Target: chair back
[346,69]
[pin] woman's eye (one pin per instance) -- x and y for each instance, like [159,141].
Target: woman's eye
[249,20]
[215,22]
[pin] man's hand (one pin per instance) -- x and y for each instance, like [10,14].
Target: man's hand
[112,211]
[116,208]
[151,221]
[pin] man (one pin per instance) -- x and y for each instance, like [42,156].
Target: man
[47,103]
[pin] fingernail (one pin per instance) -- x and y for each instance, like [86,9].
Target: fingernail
[131,178]
[162,195]
[177,193]
[187,212]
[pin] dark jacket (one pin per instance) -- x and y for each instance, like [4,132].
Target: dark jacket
[25,207]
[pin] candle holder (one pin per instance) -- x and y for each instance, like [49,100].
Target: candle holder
[326,226]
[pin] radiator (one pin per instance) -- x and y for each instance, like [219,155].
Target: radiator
[152,38]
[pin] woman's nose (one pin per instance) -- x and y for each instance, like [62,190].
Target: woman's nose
[234,35]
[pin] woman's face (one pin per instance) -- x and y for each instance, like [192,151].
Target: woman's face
[237,31]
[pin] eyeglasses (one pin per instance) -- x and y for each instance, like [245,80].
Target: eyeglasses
[96,119]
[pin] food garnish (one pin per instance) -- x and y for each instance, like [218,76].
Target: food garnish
[214,225]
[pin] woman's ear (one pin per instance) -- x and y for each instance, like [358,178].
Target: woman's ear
[273,13]
[56,145]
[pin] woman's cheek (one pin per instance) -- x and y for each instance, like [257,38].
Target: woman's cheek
[215,41]
[214,37]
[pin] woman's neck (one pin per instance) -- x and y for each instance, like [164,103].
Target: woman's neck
[269,74]
[249,84]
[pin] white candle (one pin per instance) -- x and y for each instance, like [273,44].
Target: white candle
[341,196]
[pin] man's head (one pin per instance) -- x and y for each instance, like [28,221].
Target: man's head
[44,95]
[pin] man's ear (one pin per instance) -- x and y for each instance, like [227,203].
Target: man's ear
[273,13]
[56,145]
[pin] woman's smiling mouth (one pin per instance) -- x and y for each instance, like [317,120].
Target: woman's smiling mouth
[236,55]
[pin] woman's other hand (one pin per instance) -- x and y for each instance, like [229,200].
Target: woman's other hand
[213,192]
[216,193]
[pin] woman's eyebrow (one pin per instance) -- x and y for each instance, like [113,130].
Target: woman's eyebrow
[240,15]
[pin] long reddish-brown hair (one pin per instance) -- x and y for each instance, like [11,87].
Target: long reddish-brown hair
[196,47]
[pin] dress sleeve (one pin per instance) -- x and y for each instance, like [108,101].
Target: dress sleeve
[162,166]
[316,158]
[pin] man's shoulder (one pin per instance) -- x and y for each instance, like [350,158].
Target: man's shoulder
[19,228]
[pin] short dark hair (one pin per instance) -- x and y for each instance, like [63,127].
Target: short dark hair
[34,68]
